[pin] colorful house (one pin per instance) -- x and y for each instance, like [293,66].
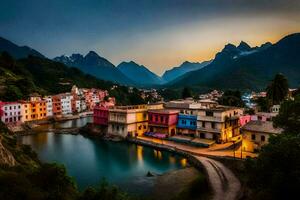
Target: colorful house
[257,133]
[66,103]
[245,119]
[162,121]
[100,115]
[220,123]
[48,100]
[10,112]
[187,125]
[34,109]
[56,106]
[127,120]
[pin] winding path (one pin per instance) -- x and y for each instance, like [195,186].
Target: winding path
[224,183]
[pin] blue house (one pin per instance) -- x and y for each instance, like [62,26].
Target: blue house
[187,124]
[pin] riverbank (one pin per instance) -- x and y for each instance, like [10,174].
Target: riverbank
[28,128]
[224,183]
[183,184]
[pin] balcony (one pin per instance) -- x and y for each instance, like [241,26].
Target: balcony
[209,118]
[209,130]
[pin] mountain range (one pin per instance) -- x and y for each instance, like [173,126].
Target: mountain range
[140,74]
[185,67]
[17,51]
[245,68]
[235,67]
[95,65]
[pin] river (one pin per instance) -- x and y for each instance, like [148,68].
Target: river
[90,160]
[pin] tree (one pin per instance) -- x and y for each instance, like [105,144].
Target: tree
[263,103]
[275,174]
[289,116]
[277,91]
[186,92]
[232,98]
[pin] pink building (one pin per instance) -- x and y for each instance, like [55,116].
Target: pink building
[245,119]
[10,112]
[163,121]
[100,115]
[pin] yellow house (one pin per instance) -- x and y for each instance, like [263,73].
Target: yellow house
[34,109]
[129,120]
[257,133]
[142,117]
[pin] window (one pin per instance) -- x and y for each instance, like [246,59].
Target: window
[262,138]
[209,113]
[161,118]
[253,137]
[203,124]
[213,125]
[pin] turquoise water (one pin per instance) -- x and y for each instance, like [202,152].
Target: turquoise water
[90,160]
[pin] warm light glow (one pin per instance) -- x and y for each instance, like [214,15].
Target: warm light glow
[183,162]
[157,154]
[139,153]
[172,159]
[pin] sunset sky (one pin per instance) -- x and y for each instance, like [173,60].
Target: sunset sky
[159,34]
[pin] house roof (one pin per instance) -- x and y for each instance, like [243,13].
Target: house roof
[164,111]
[261,126]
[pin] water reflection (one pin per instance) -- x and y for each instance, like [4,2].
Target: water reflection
[89,160]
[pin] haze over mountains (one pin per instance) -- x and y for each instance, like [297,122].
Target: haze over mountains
[235,67]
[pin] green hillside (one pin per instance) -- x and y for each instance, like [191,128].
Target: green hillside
[19,78]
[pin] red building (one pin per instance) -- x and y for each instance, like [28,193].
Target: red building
[100,115]
[163,121]
[56,106]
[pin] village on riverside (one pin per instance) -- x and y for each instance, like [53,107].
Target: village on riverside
[198,126]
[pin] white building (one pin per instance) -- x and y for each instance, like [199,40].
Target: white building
[10,112]
[66,103]
[83,106]
[78,105]
[95,98]
[275,109]
[257,133]
[49,106]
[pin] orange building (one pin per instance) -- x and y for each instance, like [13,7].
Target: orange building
[34,109]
